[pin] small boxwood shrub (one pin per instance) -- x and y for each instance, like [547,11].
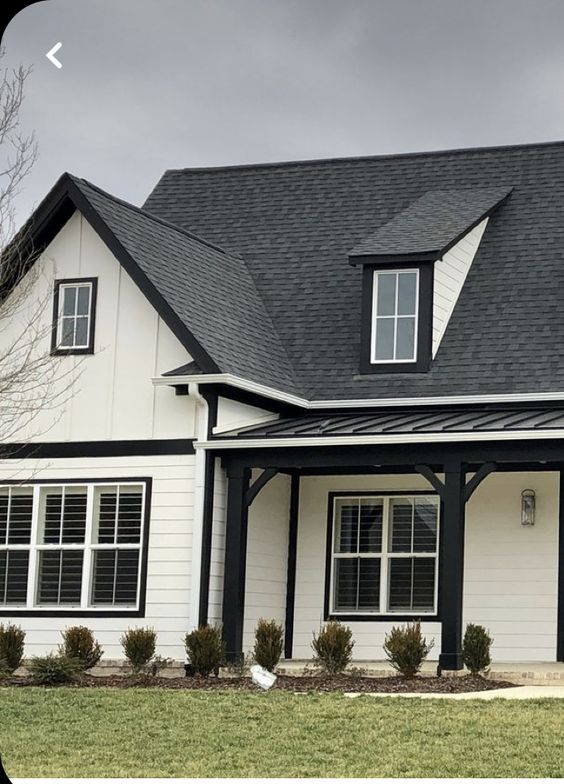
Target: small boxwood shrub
[476,648]
[139,647]
[12,639]
[205,649]
[407,649]
[269,637]
[79,644]
[53,669]
[333,647]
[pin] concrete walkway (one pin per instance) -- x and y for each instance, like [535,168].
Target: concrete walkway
[517,693]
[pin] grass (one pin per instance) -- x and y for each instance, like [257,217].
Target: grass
[141,733]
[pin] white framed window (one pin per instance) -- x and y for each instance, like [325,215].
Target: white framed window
[74,315]
[72,546]
[395,311]
[384,556]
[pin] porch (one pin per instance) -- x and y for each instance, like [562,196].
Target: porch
[275,553]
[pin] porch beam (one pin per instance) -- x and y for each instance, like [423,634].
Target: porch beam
[235,565]
[451,564]
[258,484]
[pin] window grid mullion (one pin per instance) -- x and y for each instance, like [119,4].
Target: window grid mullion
[396,309]
[87,558]
[384,563]
[33,541]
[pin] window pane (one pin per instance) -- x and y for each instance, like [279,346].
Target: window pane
[369,584]
[66,509]
[60,577]
[13,576]
[425,525]
[371,514]
[81,331]
[405,348]
[4,493]
[346,584]
[67,332]
[386,294]
[123,507]
[407,287]
[423,584]
[83,301]
[412,584]
[401,517]
[115,576]
[399,595]
[346,527]
[384,338]
[69,300]
[16,506]
[129,516]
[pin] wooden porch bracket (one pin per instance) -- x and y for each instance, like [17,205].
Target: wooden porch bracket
[432,478]
[485,470]
[258,484]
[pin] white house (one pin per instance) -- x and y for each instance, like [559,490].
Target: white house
[301,391]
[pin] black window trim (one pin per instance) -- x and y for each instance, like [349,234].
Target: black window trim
[422,362]
[95,612]
[375,617]
[55,350]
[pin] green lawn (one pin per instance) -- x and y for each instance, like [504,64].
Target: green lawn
[111,733]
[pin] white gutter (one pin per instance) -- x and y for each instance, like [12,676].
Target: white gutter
[311,405]
[202,418]
[397,438]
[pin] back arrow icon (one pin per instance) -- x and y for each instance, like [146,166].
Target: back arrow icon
[51,55]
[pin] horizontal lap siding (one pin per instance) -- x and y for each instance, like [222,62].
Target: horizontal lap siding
[170,550]
[512,570]
[267,556]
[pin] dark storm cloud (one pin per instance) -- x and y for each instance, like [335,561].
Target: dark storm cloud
[154,84]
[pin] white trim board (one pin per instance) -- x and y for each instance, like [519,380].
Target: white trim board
[295,400]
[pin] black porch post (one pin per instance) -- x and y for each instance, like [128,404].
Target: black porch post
[451,577]
[235,560]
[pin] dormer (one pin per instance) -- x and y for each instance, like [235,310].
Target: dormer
[414,267]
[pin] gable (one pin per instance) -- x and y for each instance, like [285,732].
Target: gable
[109,394]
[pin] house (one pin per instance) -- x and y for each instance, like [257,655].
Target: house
[301,391]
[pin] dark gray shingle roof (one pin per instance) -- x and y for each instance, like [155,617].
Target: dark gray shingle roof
[432,223]
[210,290]
[295,224]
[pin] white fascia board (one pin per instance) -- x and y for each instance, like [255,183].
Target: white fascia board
[399,438]
[311,405]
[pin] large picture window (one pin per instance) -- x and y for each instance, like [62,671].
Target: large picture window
[384,555]
[72,546]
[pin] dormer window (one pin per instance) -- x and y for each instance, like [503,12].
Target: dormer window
[394,316]
[74,310]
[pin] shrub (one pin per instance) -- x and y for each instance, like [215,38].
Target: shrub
[12,640]
[476,648]
[268,644]
[79,644]
[205,649]
[333,647]
[139,647]
[54,669]
[407,649]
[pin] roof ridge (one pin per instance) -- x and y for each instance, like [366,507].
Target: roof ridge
[383,156]
[153,217]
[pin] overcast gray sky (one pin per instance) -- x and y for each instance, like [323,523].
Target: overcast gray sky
[153,84]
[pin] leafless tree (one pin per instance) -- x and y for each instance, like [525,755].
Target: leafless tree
[32,382]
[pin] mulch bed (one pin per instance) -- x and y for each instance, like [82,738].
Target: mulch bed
[296,684]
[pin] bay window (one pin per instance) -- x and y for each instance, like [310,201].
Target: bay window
[70,547]
[384,555]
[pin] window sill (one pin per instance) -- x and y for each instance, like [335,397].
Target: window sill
[71,612]
[377,617]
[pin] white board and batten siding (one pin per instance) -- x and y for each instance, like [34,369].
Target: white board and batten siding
[511,571]
[450,272]
[112,396]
